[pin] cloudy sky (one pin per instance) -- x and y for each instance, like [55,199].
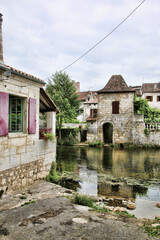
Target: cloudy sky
[44,36]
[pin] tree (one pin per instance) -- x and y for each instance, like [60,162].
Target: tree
[62,91]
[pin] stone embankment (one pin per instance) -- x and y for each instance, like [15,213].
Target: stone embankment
[45,211]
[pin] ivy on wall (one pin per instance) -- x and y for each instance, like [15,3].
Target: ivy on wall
[141,106]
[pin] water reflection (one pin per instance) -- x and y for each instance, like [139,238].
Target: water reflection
[110,172]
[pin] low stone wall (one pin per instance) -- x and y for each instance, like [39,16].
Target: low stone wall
[24,161]
[23,175]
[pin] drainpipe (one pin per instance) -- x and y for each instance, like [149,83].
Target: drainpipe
[1,42]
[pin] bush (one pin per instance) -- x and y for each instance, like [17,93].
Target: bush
[83,200]
[49,136]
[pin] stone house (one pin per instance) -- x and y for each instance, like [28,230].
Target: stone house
[89,101]
[24,157]
[151,92]
[116,121]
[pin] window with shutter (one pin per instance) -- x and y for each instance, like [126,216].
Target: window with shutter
[4,102]
[158,98]
[149,98]
[32,116]
[15,114]
[115,107]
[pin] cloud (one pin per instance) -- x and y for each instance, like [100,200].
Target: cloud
[41,37]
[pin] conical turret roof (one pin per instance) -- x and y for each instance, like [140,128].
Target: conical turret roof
[116,84]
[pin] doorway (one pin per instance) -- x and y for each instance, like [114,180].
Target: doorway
[108,132]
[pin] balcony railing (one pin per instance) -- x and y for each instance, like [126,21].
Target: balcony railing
[152,125]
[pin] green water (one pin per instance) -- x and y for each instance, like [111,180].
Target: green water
[131,174]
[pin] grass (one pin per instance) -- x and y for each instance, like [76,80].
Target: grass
[27,203]
[151,230]
[125,214]
[83,200]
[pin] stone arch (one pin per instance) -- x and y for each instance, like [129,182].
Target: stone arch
[108,132]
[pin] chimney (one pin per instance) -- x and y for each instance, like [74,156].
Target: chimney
[1,42]
[78,86]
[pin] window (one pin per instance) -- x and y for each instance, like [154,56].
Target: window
[93,112]
[149,98]
[15,114]
[158,98]
[115,107]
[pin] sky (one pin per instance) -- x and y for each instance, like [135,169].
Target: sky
[41,37]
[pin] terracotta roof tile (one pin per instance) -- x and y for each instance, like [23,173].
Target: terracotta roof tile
[150,87]
[116,84]
[14,70]
[83,95]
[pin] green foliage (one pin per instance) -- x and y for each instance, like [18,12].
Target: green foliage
[95,144]
[83,200]
[63,92]
[53,174]
[141,106]
[68,137]
[125,213]
[49,136]
[146,132]
[23,197]
[153,231]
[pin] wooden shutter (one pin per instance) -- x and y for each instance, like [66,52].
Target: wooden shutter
[4,99]
[158,98]
[32,116]
[91,112]
[115,107]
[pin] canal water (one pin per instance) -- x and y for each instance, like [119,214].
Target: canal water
[129,174]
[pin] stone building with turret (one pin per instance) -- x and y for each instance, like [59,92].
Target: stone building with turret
[116,121]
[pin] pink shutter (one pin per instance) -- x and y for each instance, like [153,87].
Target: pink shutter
[4,99]
[32,116]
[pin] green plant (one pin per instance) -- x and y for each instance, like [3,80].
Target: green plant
[95,144]
[49,136]
[23,197]
[125,214]
[83,200]
[153,228]
[146,132]
[27,203]
[53,174]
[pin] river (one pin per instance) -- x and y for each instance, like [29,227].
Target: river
[127,173]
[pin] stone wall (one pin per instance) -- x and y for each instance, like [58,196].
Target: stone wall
[122,122]
[127,126]
[23,157]
[91,131]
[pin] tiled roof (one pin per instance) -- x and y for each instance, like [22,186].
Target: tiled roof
[150,87]
[83,95]
[23,74]
[116,84]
